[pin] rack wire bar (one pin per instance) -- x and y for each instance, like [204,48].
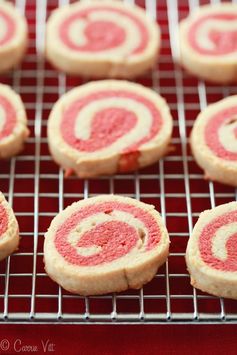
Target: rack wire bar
[173,24]
[37,190]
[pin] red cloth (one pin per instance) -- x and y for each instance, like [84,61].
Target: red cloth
[116,339]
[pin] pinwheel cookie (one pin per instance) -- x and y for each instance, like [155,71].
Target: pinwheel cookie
[9,231]
[13,36]
[103,39]
[211,252]
[105,244]
[13,122]
[213,141]
[208,42]
[108,126]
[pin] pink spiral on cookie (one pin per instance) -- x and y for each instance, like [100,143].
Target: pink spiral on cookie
[9,231]
[7,27]
[218,242]
[102,39]
[109,121]
[208,42]
[13,36]
[105,244]
[102,28]
[221,133]
[112,116]
[3,220]
[211,251]
[214,34]
[7,117]
[113,229]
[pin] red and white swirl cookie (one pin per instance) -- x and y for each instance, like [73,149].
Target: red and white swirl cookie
[211,252]
[13,36]
[13,122]
[105,244]
[214,141]
[108,126]
[9,231]
[208,42]
[103,39]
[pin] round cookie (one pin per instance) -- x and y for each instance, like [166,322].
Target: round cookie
[108,126]
[213,141]
[208,42]
[13,122]
[9,231]
[102,39]
[211,252]
[105,244]
[13,36]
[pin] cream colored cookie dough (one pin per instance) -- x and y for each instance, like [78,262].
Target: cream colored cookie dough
[13,36]
[105,244]
[12,135]
[215,149]
[86,146]
[216,57]
[210,252]
[9,230]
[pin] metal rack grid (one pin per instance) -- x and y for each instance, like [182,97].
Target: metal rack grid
[37,190]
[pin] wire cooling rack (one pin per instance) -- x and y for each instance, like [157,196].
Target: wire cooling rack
[37,190]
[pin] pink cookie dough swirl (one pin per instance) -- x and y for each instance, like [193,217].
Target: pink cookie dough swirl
[105,244]
[102,39]
[211,252]
[13,36]
[208,42]
[13,123]
[109,126]
[214,141]
[9,231]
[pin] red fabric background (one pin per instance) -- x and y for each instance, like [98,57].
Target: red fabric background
[137,339]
